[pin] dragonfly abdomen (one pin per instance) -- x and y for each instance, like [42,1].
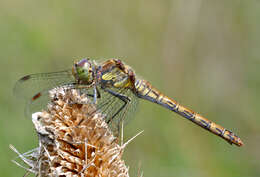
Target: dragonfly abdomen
[146,91]
[209,125]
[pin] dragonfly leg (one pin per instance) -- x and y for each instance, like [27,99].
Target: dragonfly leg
[124,98]
[96,94]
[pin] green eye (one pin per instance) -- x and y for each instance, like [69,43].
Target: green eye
[79,70]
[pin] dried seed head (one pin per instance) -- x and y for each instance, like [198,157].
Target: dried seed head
[74,140]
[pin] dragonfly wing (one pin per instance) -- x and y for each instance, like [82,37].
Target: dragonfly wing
[29,86]
[115,110]
[110,105]
[41,100]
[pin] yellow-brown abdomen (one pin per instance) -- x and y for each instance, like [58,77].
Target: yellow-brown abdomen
[146,91]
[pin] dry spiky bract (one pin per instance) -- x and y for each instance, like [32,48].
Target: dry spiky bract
[75,140]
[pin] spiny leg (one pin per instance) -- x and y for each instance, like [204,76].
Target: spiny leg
[124,98]
[95,95]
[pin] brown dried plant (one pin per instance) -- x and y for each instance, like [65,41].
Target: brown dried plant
[74,140]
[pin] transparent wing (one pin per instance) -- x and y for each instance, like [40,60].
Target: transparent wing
[30,85]
[37,104]
[35,90]
[41,100]
[117,111]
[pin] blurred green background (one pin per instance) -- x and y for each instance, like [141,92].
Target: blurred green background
[204,54]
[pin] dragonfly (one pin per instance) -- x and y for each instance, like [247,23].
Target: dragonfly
[114,88]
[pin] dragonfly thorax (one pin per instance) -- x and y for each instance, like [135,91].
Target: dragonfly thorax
[116,74]
[83,71]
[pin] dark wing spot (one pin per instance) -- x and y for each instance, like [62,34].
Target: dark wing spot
[36,96]
[26,77]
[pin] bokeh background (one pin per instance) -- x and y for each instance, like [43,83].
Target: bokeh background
[204,54]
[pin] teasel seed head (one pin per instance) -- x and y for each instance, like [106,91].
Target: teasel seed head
[74,140]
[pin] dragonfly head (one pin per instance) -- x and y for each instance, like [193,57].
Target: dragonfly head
[83,71]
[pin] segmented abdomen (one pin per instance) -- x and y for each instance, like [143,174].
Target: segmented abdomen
[146,91]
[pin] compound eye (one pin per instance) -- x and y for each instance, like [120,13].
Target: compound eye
[82,62]
[86,67]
